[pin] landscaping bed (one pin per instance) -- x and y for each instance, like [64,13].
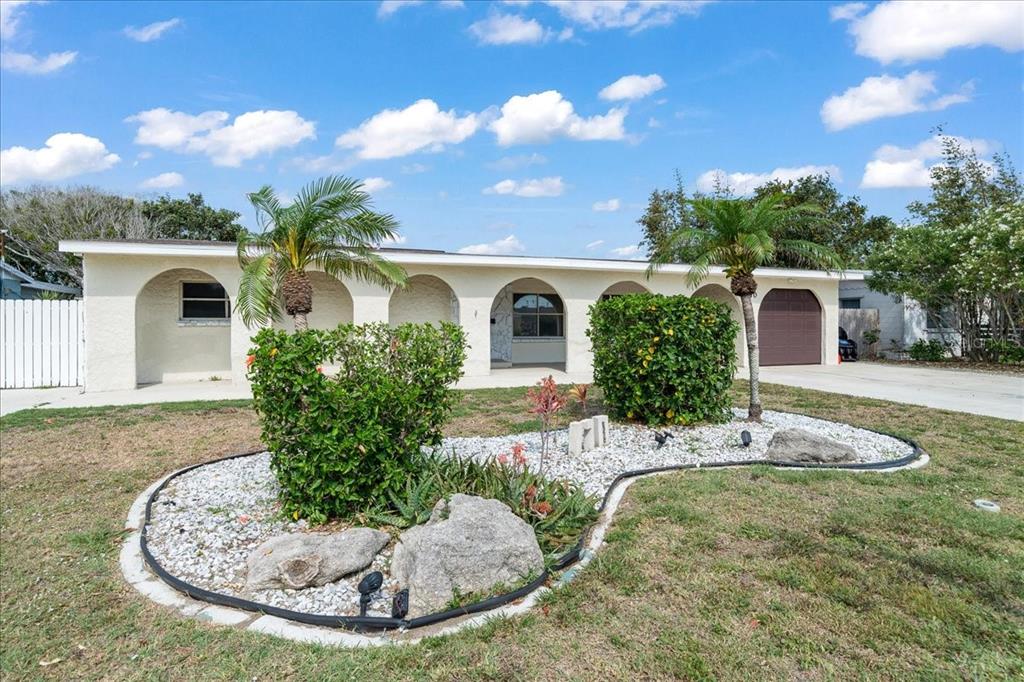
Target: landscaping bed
[206,523]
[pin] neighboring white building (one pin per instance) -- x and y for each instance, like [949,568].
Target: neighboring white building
[902,321]
[161,311]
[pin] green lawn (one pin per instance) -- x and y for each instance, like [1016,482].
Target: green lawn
[735,574]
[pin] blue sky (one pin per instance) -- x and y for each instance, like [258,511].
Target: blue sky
[536,128]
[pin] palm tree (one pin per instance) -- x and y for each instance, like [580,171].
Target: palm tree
[330,226]
[742,235]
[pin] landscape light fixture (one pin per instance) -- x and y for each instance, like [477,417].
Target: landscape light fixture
[660,437]
[367,586]
[400,604]
[745,437]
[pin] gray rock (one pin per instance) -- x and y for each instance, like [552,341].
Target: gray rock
[470,544]
[799,445]
[299,560]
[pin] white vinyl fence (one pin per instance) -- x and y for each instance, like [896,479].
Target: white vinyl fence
[42,343]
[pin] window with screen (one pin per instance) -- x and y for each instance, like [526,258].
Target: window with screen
[537,316]
[849,303]
[204,301]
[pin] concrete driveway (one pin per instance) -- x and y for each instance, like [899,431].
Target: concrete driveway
[991,394]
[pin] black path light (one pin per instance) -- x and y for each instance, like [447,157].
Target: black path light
[400,604]
[661,437]
[745,437]
[367,586]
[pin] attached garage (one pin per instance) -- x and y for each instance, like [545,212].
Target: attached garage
[789,328]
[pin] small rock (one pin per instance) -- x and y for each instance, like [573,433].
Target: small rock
[301,560]
[480,543]
[798,445]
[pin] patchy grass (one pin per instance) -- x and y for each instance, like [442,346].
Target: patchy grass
[958,364]
[716,574]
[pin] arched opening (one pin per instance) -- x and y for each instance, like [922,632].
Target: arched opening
[332,304]
[182,328]
[716,292]
[425,298]
[528,326]
[789,328]
[624,287]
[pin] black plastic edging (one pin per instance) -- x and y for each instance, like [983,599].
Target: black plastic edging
[377,623]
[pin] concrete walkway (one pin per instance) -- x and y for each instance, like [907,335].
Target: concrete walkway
[984,393]
[995,395]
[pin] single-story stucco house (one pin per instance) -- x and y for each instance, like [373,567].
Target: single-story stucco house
[901,321]
[161,311]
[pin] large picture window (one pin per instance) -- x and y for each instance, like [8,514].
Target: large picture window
[204,301]
[537,316]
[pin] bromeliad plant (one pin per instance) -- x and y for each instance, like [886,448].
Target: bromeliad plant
[545,401]
[330,226]
[349,434]
[580,393]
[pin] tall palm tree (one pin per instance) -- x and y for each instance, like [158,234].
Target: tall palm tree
[329,226]
[742,235]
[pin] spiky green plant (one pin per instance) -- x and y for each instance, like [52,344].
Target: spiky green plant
[331,227]
[743,235]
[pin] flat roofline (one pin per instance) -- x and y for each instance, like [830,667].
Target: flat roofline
[175,247]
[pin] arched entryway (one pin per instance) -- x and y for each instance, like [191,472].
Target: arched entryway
[528,325]
[624,287]
[789,328]
[182,328]
[332,304]
[425,298]
[718,293]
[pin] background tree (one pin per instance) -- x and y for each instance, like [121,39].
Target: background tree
[744,235]
[38,218]
[669,211]
[191,218]
[961,259]
[330,226]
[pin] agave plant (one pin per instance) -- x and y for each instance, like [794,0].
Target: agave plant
[330,226]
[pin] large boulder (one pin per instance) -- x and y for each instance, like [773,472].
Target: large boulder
[299,560]
[798,445]
[470,544]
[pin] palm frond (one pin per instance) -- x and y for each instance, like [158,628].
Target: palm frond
[258,302]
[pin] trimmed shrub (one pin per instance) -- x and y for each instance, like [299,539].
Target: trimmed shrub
[345,437]
[930,351]
[1005,352]
[663,359]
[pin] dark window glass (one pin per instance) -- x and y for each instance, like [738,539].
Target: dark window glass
[549,304]
[524,325]
[202,290]
[523,303]
[537,315]
[200,309]
[550,325]
[849,303]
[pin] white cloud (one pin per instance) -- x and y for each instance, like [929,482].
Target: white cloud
[653,123]
[10,16]
[846,12]
[594,244]
[150,32]
[507,163]
[20,62]
[508,29]
[635,15]
[632,87]
[544,116]
[746,183]
[626,251]
[397,240]
[510,245]
[373,185]
[249,135]
[893,166]
[414,168]
[607,206]
[65,155]
[911,31]
[885,96]
[389,7]
[421,126]
[164,181]
[538,187]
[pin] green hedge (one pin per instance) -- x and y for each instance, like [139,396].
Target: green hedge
[345,411]
[663,359]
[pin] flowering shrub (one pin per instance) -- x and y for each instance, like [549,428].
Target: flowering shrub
[545,402]
[349,435]
[663,359]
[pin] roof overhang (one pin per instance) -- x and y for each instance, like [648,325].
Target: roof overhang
[428,258]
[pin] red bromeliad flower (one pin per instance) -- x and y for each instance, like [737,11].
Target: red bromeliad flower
[503,458]
[543,508]
[249,360]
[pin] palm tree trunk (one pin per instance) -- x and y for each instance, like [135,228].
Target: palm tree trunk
[301,323]
[753,361]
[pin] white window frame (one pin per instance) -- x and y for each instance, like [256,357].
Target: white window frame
[182,298]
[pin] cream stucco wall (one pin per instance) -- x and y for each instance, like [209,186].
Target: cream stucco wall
[425,298]
[332,304]
[113,282]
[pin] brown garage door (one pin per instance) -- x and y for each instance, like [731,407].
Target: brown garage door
[789,328]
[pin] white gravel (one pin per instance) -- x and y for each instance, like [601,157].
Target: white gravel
[206,522]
